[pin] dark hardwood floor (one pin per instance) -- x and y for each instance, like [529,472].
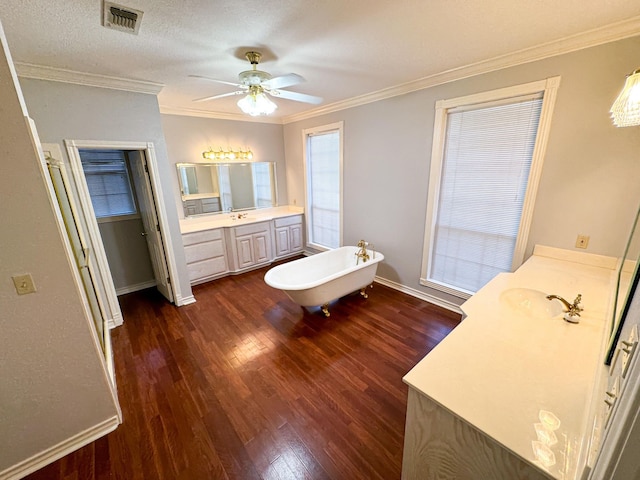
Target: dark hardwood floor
[244,384]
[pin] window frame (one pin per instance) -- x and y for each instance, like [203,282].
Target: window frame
[125,216]
[548,88]
[306,133]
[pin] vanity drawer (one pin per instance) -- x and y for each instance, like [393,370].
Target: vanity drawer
[206,268]
[200,237]
[287,221]
[202,251]
[260,227]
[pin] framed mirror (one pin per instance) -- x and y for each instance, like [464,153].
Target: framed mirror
[628,277]
[208,188]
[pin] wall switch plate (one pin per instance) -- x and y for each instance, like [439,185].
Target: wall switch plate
[582,241]
[24,284]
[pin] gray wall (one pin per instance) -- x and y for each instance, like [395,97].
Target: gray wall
[53,383]
[188,137]
[589,183]
[127,252]
[66,111]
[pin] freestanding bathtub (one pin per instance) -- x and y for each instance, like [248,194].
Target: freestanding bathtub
[321,278]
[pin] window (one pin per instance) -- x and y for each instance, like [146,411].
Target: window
[263,179]
[109,183]
[323,171]
[486,161]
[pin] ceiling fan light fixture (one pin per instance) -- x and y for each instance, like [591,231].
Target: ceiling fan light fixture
[257,103]
[625,111]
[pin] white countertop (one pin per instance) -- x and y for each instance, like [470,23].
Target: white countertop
[501,371]
[208,222]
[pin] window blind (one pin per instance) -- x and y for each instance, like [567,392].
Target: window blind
[323,170]
[108,181]
[262,184]
[486,163]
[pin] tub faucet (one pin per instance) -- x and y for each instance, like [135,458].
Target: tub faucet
[362,253]
[572,309]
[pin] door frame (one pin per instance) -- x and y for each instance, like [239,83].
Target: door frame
[73,147]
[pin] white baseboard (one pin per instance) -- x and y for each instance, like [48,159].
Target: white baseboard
[116,321]
[58,451]
[181,301]
[418,294]
[136,287]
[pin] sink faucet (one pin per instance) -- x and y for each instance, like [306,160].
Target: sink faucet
[573,310]
[362,253]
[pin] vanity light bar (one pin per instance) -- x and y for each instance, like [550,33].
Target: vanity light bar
[228,154]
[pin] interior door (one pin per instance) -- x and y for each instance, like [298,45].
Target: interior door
[149,215]
[81,253]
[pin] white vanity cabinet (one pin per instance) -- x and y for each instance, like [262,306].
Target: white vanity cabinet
[249,245]
[222,245]
[206,255]
[508,394]
[288,235]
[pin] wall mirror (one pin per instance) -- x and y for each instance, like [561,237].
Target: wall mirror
[628,276]
[208,188]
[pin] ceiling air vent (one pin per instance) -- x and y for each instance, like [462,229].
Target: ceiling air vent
[121,18]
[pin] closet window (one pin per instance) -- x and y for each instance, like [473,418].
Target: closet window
[483,174]
[323,171]
[109,182]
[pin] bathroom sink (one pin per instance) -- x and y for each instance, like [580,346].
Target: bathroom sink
[530,303]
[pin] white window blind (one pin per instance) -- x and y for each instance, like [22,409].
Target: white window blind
[323,188]
[486,163]
[224,182]
[108,181]
[262,182]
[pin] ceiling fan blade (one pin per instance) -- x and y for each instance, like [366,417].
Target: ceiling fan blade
[298,97]
[284,81]
[213,97]
[215,80]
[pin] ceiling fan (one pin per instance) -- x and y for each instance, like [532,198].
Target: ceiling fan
[255,84]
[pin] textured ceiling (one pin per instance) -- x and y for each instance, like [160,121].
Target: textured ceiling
[344,49]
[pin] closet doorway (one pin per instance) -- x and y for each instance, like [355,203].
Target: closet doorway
[119,197]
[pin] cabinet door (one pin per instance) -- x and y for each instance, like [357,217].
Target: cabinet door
[295,238]
[282,241]
[244,246]
[261,247]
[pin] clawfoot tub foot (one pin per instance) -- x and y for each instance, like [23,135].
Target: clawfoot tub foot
[363,292]
[325,310]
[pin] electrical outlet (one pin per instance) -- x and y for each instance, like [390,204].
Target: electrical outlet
[24,284]
[582,241]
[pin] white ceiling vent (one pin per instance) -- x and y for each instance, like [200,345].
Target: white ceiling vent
[121,18]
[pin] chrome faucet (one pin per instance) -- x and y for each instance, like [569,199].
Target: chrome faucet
[362,253]
[572,309]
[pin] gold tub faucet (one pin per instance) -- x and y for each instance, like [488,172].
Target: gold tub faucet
[362,253]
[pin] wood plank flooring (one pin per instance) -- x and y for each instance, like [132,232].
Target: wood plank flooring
[244,384]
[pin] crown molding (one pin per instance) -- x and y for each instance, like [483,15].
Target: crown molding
[193,112]
[591,38]
[41,72]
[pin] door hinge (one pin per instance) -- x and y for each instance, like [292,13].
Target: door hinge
[146,167]
[157,226]
[168,280]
